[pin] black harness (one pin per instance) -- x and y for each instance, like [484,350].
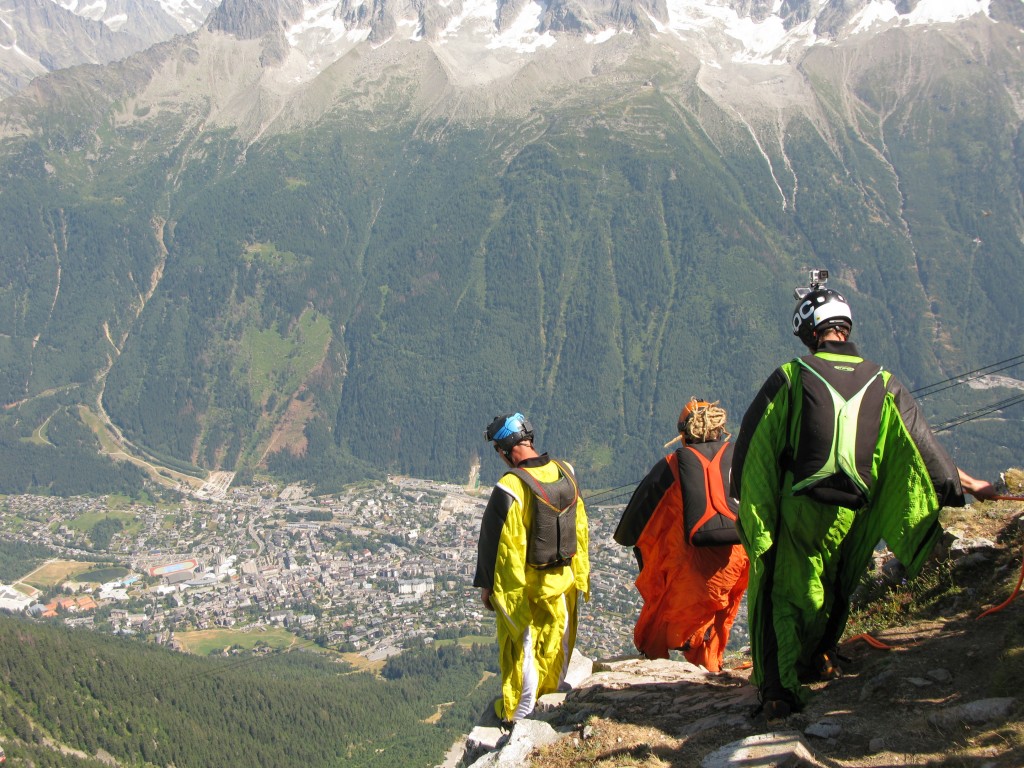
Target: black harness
[551,540]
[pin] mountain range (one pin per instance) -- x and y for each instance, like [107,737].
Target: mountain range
[324,240]
[40,36]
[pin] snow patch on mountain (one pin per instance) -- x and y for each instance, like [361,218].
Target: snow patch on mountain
[720,32]
[884,12]
[478,13]
[938,11]
[187,13]
[522,35]
[723,30]
[318,26]
[751,41]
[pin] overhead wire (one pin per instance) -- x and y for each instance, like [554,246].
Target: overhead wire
[598,494]
[963,378]
[610,494]
[978,413]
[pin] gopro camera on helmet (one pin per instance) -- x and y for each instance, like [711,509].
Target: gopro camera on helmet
[818,278]
[819,308]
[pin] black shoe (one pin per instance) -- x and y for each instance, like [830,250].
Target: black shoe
[776,709]
[827,666]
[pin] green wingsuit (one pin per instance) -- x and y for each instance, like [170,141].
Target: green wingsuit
[808,548]
[536,608]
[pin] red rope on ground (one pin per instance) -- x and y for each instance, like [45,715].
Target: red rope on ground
[874,642]
[1016,590]
[1008,600]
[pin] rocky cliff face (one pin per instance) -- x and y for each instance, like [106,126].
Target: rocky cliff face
[247,20]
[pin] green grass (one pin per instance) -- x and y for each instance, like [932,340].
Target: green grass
[117,502]
[884,606]
[103,575]
[267,253]
[279,363]
[86,522]
[209,641]
[466,641]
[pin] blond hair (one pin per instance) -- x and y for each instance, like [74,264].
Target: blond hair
[702,422]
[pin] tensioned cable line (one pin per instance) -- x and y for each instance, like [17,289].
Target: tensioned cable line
[963,378]
[978,413]
[609,491]
[617,496]
[920,393]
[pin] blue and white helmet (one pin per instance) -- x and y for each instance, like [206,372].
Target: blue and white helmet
[508,430]
[820,310]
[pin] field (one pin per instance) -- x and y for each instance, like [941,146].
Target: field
[85,523]
[205,642]
[360,663]
[54,572]
[103,575]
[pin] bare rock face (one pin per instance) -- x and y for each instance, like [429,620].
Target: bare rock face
[249,20]
[783,750]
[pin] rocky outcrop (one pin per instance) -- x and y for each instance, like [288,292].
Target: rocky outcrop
[676,695]
[908,696]
[248,20]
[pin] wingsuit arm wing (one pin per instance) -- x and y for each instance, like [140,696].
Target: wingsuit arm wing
[643,503]
[756,463]
[759,408]
[495,514]
[581,561]
[916,477]
[941,468]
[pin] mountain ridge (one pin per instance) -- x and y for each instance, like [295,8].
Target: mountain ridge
[41,36]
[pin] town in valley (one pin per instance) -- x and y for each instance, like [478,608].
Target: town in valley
[382,567]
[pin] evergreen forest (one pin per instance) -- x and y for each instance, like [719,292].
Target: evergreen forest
[78,698]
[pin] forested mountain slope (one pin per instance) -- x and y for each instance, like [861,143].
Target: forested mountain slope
[73,698]
[248,255]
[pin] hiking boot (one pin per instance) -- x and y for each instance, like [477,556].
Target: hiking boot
[776,709]
[827,666]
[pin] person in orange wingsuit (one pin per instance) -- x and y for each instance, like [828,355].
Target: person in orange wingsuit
[680,522]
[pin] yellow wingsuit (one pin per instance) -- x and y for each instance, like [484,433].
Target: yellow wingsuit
[535,609]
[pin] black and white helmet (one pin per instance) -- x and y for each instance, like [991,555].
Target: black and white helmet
[819,310]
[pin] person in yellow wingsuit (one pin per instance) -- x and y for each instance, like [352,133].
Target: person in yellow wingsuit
[681,524]
[532,566]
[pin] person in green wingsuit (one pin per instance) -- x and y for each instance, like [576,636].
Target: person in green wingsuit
[833,456]
[533,566]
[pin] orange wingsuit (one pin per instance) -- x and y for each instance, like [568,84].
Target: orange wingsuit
[691,594]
